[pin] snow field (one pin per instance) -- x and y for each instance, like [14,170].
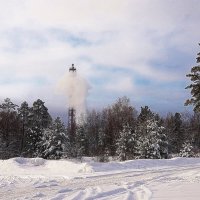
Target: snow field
[36,178]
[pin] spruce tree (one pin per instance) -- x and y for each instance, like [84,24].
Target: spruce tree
[153,144]
[103,151]
[145,114]
[175,132]
[54,143]
[80,141]
[24,112]
[126,144]
[187,150]
[39,120]
[10,135]
[122,145]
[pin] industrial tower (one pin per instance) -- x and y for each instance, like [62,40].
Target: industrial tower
[72,113]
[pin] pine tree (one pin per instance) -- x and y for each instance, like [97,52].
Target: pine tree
[145,114]
[8,115]
[187,150]
[102,138]
[8,106]
[126,144]
[39,120]
[10,135]
[195,86]
[54,143]
[153,143]
[175,132]
[24,112]
[81,142]
[122,145]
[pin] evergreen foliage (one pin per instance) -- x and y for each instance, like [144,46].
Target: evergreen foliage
[145,114]
[103,149]
[10,138]
[39,119]
[195,86]
[175,132]
[113,131]
[23,112]
[187,150]
[126,143]
[54,143]
[81,141]
[153,143]
[194,130]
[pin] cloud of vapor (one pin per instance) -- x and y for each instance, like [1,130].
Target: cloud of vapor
[121,46]
[75,88]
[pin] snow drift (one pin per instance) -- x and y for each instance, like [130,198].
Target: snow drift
[39,179]
[41,167]
[73,168]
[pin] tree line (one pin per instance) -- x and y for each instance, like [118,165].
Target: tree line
[118,130]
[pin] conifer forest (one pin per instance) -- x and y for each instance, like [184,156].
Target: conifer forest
[118,130]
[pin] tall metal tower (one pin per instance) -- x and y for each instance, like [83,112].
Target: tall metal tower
[72,113]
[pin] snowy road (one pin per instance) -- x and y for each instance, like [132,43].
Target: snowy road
[175,182]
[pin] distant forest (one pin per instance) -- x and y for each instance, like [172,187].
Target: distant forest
[117,130]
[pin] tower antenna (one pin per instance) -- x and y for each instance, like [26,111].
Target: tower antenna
[72,114]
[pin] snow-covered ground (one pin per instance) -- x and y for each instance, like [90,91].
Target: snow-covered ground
[173,179]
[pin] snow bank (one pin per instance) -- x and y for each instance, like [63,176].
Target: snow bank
[69,168]
[41,167]
[143,164]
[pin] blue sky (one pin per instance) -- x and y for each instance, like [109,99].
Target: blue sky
[141,49]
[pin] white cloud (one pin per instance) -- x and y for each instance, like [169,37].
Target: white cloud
[129,34]
[120,84]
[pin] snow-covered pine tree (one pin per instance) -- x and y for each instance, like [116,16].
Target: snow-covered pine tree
[54,143]
[186,150]
[10,135]
[80,141]
[24,112]
[153,144]
[122,146]
[145,114]
[63,142]
[126,143]
[103,152]
[39,119]
[101,139]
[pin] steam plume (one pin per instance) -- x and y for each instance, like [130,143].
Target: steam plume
[76,89]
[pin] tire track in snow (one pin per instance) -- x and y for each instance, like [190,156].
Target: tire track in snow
[124,185]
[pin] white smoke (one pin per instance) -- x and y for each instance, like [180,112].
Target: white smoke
[76,90]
